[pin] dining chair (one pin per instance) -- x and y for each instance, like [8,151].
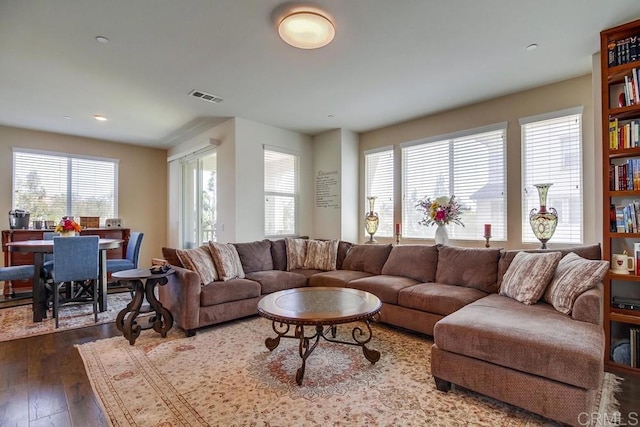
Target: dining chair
[16,272]
[76,260]
[130,261]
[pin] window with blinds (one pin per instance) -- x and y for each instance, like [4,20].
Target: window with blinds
[51,185]
[552,153]
[378,170]
[469,165]
[280,193]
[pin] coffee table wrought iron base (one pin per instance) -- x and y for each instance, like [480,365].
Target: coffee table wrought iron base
[320,308]
[308,344]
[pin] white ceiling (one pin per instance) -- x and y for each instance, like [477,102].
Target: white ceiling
[391,60]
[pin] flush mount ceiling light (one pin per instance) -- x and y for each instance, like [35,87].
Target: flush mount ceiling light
[306,29]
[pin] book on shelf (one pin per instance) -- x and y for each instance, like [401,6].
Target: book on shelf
[636,256]
[620,219]
[634,338]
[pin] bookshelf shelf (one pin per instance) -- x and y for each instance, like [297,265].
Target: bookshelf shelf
[620,93]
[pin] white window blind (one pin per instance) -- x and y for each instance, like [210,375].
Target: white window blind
[52,185]
[551,153]
[280,193]
[469,165]
[379,183]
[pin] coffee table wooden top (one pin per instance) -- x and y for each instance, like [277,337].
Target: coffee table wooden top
[319,306]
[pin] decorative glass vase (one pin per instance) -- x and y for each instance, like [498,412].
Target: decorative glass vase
[442,235]
[544,221]
[371,220]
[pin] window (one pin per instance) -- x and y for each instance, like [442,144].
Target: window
[280,192]
[469,165]
[378,170]
[52,185]
[551,153]
[199,210]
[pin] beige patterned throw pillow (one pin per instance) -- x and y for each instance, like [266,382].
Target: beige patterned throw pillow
[573,276]
[321,255]
[227,261]
[528,276]
[296,253]
[200,261]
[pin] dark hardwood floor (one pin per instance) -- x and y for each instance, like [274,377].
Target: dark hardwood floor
[43,382]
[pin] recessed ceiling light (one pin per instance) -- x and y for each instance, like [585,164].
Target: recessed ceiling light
[532,46]
[306,29]
[330,115]
[102,39]
[67,117]
[100,118]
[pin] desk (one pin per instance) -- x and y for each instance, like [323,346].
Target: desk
[41,247]
[162,318]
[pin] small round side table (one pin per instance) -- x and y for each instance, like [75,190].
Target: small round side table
[143,283]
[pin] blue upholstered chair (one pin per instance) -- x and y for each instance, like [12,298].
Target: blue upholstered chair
[76,260]
[133,252]
[18,272]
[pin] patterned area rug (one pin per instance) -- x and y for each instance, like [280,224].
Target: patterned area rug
[17,322]
[226,376]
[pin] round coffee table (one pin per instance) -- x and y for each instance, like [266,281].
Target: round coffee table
[324,309]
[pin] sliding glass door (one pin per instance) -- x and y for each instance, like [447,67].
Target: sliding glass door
[199,200]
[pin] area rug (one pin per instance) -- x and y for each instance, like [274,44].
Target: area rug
[225,376]
[17,322]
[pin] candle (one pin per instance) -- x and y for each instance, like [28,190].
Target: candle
[487,229]
[398,228]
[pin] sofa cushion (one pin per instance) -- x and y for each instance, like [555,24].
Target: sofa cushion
[276,280]
[367,258]
[231,290]
[279,254]
[528,276]
[171,256]
[199,260]
[574,275]
[438,298]
[255,256]
[585,251]
[296,253]
[227,261]
[535,339]
[343,250]
[384,287]
[306,272]
[321,255]
[336,278]
[417,262]
[471,267]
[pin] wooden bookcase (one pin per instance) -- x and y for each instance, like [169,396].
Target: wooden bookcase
[618,321]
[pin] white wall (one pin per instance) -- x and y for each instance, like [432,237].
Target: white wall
[240,182]
[350,230]
[327,168]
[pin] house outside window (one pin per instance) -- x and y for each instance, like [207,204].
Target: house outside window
[281,198]
[52,185]
[468,164]
[552,153]
[378,166]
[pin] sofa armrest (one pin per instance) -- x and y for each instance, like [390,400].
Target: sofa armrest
[588,306]
[181,296]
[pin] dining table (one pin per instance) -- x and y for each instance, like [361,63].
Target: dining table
[41,247]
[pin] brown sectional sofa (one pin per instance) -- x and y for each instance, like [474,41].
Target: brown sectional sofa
[531,356]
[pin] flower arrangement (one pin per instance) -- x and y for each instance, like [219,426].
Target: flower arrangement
[67,224]
[442,210]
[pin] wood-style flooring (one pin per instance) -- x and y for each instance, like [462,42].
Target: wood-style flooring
[43,382]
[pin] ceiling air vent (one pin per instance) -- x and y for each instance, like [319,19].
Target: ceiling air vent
[206,96]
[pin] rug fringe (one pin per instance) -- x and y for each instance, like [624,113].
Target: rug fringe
[608,409]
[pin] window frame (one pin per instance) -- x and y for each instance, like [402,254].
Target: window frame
[295,197]
[68,157]
[527,236]
[450,139]
[367,155]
